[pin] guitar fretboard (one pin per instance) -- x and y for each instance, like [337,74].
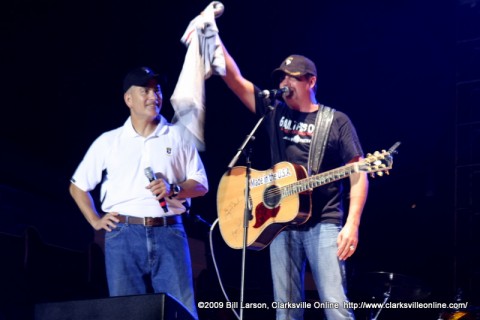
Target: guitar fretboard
[319,180]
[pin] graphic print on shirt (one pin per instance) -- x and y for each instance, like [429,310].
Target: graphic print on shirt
[296,131]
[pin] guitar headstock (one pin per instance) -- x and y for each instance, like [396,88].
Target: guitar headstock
[379,163]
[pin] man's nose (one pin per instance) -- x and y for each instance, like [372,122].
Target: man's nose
[284,82]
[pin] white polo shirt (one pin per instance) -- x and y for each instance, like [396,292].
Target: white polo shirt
[125,154]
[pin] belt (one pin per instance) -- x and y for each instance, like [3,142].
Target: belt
[151,221]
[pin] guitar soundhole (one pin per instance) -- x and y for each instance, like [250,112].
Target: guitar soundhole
[271,196]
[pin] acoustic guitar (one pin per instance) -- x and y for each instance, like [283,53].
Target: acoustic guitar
[279,197]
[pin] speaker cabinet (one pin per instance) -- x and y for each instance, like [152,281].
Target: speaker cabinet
[159,306]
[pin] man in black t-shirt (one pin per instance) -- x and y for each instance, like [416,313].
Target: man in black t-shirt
[328,238]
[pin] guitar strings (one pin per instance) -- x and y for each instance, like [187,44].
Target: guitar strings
[273,194]
[308,183]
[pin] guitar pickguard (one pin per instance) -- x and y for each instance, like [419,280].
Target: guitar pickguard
[262,214]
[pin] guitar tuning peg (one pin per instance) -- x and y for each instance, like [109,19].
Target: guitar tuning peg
[372,175]
[380,173]
[387,172]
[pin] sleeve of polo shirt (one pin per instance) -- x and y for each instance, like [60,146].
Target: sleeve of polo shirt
[89,172]
[195,169]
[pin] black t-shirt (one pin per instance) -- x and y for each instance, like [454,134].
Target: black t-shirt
[291,132]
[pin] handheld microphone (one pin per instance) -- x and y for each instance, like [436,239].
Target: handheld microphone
[151,177]
[275,93]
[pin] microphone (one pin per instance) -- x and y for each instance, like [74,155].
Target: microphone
[275,93]
[151,177]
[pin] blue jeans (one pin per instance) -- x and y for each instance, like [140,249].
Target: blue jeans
[290,251]
[140,259]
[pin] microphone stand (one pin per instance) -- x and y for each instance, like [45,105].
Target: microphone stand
[386,296]
[248,204]
[249,138]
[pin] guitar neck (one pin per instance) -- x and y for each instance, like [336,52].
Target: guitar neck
[319,179]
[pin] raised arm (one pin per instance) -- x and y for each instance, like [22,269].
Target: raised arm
[242,87]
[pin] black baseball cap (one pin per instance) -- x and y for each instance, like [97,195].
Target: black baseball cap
[139,77]
[296,65]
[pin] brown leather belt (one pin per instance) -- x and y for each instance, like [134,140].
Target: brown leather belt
[151,221]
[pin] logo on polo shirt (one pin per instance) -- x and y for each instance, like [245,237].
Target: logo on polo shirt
[169,151]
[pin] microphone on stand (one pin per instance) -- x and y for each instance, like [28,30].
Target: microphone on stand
[151,177]
[274,93]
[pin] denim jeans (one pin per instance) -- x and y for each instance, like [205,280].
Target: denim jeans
[290,251]
[143,260]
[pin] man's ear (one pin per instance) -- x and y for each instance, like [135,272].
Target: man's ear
[313,81]
[127,97]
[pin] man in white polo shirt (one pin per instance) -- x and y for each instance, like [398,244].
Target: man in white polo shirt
[146,248]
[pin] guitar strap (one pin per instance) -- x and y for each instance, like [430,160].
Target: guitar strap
[323,122]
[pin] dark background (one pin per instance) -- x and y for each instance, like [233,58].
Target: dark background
[390,65]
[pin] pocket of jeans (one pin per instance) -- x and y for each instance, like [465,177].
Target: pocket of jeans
[178,231]
[328,235]
[116,231]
